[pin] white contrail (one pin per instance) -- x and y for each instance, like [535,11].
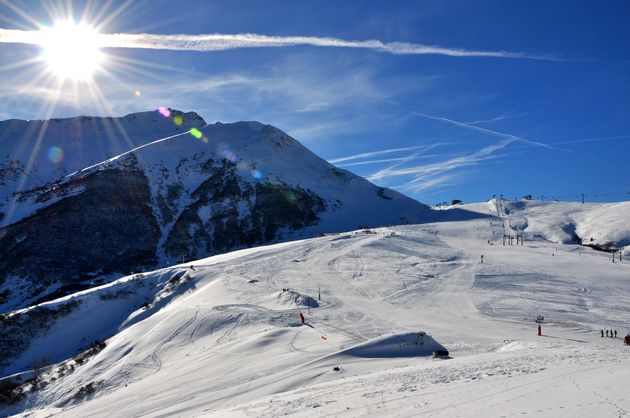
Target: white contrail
[219,42]
[483,154]
[375,153]
[485,130]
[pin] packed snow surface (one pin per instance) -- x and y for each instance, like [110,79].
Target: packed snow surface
[223,336]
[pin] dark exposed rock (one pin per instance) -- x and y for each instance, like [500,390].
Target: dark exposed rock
[10,170]
[106,228]
[270,208]
[104,223]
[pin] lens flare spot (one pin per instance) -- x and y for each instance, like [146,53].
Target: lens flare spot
[55,154]
[137,93]
[257,174]
[196,133]
[165,111]
[227,153]
[204,139]
[178,120]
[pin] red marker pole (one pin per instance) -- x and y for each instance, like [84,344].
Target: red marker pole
[539,330]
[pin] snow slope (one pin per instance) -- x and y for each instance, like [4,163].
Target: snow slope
[605,225]
[222,337]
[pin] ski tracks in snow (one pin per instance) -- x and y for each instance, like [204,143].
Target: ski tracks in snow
[155,355]
[154,362]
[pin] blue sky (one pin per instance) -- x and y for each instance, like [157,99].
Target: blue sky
[548,115]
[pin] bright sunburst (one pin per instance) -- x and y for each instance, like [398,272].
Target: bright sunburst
[71,50]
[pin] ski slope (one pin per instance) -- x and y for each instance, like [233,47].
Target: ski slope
[602,225]
[222,336]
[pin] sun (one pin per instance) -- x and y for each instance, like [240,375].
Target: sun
[71,50]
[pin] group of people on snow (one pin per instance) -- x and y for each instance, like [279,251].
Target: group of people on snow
[613,334]
[609,333]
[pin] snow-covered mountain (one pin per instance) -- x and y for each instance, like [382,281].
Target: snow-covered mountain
[222,336]
[90,199]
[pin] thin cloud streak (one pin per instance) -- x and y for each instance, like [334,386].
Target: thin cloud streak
[222,42]
[430,182]
[496,119]
[604,138]
[451,164]
[486,130]
[387,160]
[422,174]
[431,175]
[376,153]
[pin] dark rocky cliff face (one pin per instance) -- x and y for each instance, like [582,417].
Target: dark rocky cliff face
[105,224]
[107,228]
[239,213]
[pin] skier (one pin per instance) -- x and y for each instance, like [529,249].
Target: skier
[627,339]
[482,259]
[607,333]
[615,333]
[301,317]
[602,331]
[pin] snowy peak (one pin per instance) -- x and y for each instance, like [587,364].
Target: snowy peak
[72,124]
[36,153]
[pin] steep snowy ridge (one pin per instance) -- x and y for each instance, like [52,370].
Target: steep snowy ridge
[58,147]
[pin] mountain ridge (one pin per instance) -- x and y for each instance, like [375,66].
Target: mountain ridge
[184,190]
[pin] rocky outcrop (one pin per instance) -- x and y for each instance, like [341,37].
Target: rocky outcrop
[104,224]
[239,213]
[107,228]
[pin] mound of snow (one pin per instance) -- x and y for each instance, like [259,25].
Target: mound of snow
[607,225]
[411,344]
[288,298]
[291,296]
